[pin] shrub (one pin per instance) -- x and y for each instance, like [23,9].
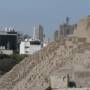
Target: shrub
[7,62]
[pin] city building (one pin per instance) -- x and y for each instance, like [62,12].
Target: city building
[34,44]
[8,40]
[30,46]
[38,33]
[66,28]
[56,35]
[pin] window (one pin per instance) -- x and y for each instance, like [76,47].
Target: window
[26,47]
[26,51]
[35,42]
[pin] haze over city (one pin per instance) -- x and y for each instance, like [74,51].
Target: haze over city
[44,44]
[24,14]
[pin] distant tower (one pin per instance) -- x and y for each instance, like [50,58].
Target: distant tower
[38,33]
[56,35]
[67,20]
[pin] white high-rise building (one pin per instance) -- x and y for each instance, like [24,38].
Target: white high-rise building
[38,33]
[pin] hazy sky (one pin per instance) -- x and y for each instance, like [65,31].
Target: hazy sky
[24,14]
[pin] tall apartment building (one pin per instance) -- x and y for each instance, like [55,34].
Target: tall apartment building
[66,28]
[38,33]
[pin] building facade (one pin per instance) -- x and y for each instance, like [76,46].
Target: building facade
[66,28]
[38,33]
[30,46]
[8,40]
[56,35]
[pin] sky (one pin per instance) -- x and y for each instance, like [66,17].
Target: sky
[23,15]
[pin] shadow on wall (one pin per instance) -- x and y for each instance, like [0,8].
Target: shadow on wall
[72,84]
[49,88]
